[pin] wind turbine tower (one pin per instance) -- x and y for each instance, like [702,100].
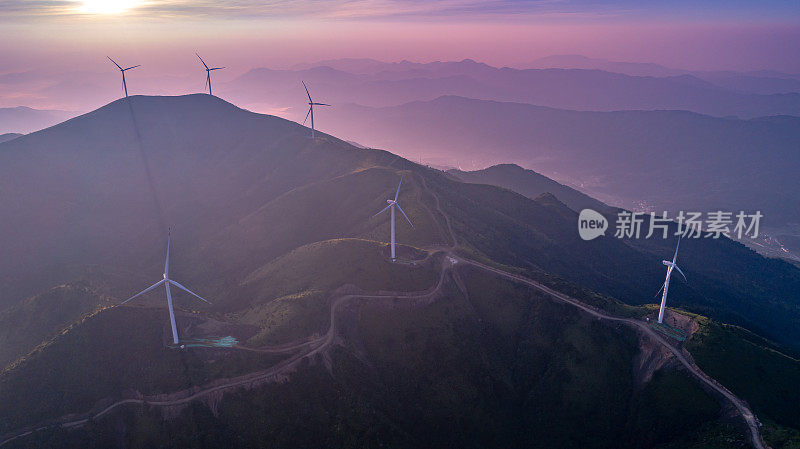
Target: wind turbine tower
[208,73]
[392,204]
[670,266]
[310,112]
[124,84]
[167,282]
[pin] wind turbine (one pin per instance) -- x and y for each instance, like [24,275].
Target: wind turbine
[208,73]
[392,204]
[124,85]
[167,282]
[311,105]
[670,266]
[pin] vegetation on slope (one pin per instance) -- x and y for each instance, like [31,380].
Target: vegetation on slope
[500,367]
[540,236]
[755,370]
[117,350]
[494,369]
[37,319]
[289,297]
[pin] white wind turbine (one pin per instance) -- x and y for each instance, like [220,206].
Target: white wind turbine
[208,73]
[167,282]
[670,266]
[392,204]
[124,84]
[310,112]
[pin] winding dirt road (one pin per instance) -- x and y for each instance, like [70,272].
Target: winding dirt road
[742,407]
[284,367]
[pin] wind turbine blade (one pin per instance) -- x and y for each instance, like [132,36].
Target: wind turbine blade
[404,214]
[321,104]
[307,113]
[398,187]
[115,63]
[659,290]
[382,210]
[309,95]
[675,257]
[681,272]
[216,68]
[201,60]
[143,291]
[187,290]
[133,67]
[166,264]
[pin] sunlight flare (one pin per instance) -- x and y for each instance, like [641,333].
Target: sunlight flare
[107,6]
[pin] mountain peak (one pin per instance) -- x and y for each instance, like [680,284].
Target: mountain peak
[509,166]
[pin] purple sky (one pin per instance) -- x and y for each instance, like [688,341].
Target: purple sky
[43,39]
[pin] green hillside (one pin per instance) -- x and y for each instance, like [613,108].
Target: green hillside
[727,281]
[289,297]
[117,350]
[757,370]
[495,365]
[34,320]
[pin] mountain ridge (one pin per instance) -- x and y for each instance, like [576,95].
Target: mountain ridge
[247,193]
[530,184]
[609,155]
[22,119]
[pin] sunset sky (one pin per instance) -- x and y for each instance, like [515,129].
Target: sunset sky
[63,35]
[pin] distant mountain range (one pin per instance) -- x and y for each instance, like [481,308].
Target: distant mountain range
[566,82]
[668,160]
[389,84]
[759,82]
[764,82]
[24,120]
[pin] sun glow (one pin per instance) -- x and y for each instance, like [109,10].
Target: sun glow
[107,6]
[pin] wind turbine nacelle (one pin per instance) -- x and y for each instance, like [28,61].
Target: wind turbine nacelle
[390,201]
[666,262]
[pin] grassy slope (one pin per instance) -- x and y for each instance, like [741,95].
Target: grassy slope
[745,365]
[329,209]
[37,319]
[288,297]
[128,343]
[520,377]
[539,236]
[749,367]
[115,350]
[507,369]
[332,263]
[293,319]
